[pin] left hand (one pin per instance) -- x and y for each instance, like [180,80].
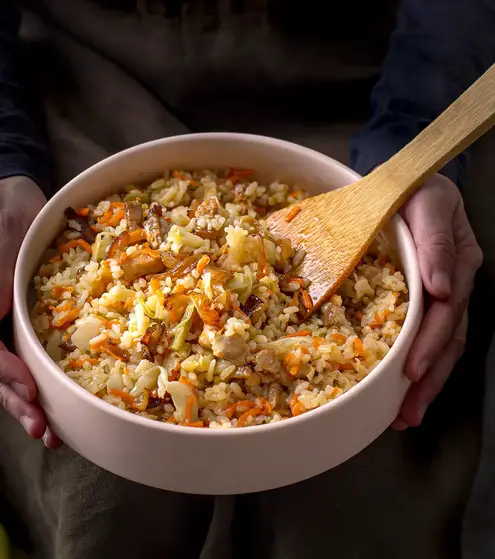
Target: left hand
[449,257]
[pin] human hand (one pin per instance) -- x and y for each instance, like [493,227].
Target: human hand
[20,202]
[449,258]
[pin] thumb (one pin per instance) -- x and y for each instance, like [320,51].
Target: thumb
[429,215]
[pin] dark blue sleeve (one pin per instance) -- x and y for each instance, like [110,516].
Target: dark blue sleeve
[439,48]
[22,147]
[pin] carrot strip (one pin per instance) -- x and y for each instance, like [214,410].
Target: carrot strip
[231,410]
[55,258]
[189,406]
[307,301]
[115,219]
[346,367]
[339,338]
[83,212]
[64,321]
[124,396]
[85,245]
[291,214]
[59,290]
[358,315]
[67,246]
[193,424]
[317,341]
[247,414]
[295,406]
[358,347]
[298,334]
[203,262]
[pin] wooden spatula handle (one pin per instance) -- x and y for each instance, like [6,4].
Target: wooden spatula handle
[466,120]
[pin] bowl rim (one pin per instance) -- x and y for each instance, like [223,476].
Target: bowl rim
[20,299]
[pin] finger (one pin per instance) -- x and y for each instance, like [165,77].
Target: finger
[433,236]
[442,317]
[421,394]
[29,415]
[436,331]
[51,440]
[13,372]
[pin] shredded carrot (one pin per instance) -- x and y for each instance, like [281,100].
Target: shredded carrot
[109,213]
[65,320]
[260,210]
[67,246]
[78,363]
[359,315]
[247,414]
[291,214]
[191,400]
[98,344]
[124,396]
[154,284]
[171,419]
[358,347]
[115,219]
[346,367]
[298,334]
[294,370]
[317,341]
[203,262]
[295,406]
[186,381]
[178,175]
[307,301]
[193,424]
[237,174]
[59,290]
[232,409]
[299,281]
[266,406]
[55,258]
[83,212]
[174,373]
[339,338]
[295,193]
[85,245]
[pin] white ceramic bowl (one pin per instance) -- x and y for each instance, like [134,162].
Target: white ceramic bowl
[210,461]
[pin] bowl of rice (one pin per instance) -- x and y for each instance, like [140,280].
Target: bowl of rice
[168,330]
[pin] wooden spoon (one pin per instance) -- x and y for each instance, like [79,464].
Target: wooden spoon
[336,228]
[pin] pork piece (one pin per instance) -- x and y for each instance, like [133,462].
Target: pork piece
[133,215]
[155,335]
[232,348]
[274,394]
[267,361]
[142,265]
[86,232]
[152,227]
[209,207]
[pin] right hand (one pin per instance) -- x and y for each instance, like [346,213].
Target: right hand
[20,202]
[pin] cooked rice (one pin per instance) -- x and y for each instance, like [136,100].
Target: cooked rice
[176,303]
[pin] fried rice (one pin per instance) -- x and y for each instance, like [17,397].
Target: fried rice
[176,303]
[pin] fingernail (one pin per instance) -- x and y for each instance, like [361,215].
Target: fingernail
[422,368]
[441,282]
[399,425]
[20,390]
[28,423]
